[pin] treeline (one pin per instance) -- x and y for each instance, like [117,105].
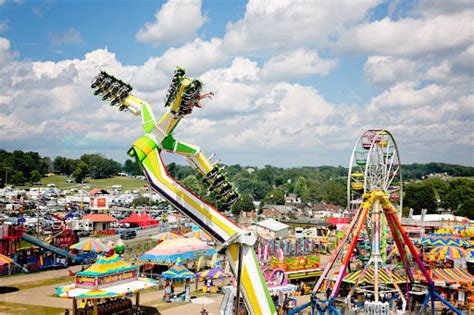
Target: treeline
[92,165]
[18,167]
[419,171]
[456,194]
[267,184]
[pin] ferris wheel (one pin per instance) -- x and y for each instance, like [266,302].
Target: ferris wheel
[375,165]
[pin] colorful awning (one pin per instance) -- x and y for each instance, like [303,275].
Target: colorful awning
[435,240]
[70,290]
[92,245]
[449,252]
[107,265]
[183,248]
[199,234]
[384,276]
[214,273]
[452,275]
[178,271]
[166,236]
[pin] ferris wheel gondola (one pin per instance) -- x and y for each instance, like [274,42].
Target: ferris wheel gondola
[375,165]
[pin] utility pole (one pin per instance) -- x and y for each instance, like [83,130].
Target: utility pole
[82,200]
[6,175]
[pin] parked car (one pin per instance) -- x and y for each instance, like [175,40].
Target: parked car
[127,235]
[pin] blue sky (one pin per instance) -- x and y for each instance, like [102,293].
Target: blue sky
[295,83]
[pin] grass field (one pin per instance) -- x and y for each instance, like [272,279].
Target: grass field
[105,183]
[14,308]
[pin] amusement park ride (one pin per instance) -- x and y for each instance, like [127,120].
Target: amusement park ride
[373,182]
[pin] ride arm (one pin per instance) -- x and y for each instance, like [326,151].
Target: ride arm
[254,290]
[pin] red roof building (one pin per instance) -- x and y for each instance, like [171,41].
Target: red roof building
[100,221]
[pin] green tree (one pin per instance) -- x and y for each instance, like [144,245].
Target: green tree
[35,176]
[131,167]
[467,209]
[301,187]
[100,167]
[276,197]
[80,172]
[314,193]
[245,203]
[18,178]
[334,191]
[420,196]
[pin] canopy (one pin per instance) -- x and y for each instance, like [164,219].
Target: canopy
[70,290]
[178,271]
[5,260]
[166,236]
[134,218]
[443,241]
[452,275]
[214,273]
[183,248]
[147,220]
[92,245]
[450,252]
[199,234]
[107,265]
[384,276]
[98,293]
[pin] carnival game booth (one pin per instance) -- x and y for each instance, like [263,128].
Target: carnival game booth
[109,278]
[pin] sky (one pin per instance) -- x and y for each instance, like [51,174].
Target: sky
[295,82]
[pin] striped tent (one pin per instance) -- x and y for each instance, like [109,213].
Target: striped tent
[107,265]
[214,273]
[4,260]
[452,275]
[449,252]
[183,248]
[443,241]
[94,294]
[199,234]
[178,271]
[91,245]
[166,236]
[384,276]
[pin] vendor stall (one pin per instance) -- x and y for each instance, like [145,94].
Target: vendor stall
[109,277]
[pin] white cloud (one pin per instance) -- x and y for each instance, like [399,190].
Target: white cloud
[196,57]
[410,36]
[271,25]
[5,53]
[439,72]
[176,22]
[71,36]
[386,69]
[442,7]
[297,64]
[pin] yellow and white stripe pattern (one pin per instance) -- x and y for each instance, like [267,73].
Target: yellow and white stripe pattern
[254,289]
